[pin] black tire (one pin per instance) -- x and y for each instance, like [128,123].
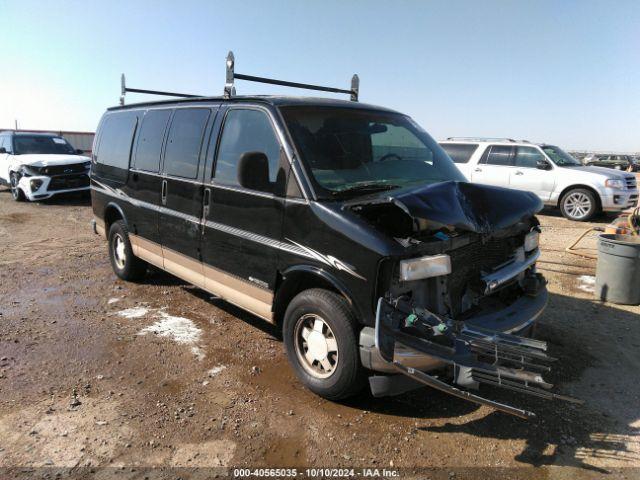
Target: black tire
[130,267]
[347,377]
[16,192]
[583,196]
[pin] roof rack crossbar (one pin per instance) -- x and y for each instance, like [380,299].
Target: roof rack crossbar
[124,89]
[229,88]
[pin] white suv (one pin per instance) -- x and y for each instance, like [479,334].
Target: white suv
[546,170]
[39,165]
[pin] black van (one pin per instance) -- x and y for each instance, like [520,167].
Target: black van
[346,224]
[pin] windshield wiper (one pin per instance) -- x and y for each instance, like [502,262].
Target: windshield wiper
[365,187]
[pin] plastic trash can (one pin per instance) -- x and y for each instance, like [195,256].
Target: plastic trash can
[618,269]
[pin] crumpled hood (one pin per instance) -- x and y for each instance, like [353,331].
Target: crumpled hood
[465,206]
[47,160]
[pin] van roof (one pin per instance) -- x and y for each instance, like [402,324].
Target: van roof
[275,100]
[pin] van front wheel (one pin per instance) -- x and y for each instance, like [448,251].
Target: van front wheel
[320,339]
[124,263]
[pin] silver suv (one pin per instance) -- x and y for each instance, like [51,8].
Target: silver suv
[546,170]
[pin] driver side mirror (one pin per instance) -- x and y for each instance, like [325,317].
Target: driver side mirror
[79,151]
[3,150]
[253,172]
[543,165]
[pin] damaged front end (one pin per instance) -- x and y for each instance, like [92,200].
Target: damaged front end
[464,296]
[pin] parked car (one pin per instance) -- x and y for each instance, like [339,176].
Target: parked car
[344,224]
[557,178]
[617,162]
[38,165]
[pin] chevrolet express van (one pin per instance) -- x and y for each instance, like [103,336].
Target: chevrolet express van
[344,224]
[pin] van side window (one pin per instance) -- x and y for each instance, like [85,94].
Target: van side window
[184,142]
[116,138]
[497,155]
[149,144]
[528,157]
[460,152]
[245,130]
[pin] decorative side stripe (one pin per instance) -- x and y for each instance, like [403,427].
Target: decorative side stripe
[290,246]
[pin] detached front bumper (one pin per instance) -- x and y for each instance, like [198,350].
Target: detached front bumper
[518,319]
[411,341]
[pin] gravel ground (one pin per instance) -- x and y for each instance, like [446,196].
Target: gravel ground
[102,378]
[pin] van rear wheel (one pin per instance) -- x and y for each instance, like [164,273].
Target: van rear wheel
[124,263]
[320,339]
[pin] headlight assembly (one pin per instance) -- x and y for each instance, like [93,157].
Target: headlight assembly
[614,183]
[29,171]
[531,241]
[425,267]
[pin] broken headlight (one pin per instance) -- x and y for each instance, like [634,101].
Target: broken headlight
[531,240]
[29,170]
[425,267]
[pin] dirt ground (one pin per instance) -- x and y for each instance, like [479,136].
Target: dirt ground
[101,378]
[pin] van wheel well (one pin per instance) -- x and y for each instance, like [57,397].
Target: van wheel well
[586,187]
[111,215]
[292,285]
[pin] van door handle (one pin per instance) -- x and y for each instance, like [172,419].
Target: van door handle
[164,192]
[206,203]
[518,172]
[478,170]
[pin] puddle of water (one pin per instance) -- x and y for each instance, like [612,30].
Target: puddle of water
[286,452]
[135,312]
[587,283]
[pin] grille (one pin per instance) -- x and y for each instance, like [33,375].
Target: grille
[64,169]
[631,183]
[69,181]
[469,262]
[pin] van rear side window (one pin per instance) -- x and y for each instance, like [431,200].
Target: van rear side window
[115,140]
[149,144]
[185,139]
[460,153]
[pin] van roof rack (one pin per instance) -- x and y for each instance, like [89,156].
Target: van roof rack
[230,90]
[124,89]
[229,87]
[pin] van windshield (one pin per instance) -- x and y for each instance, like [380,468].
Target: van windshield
[560,157]
[351,151]
[41,144]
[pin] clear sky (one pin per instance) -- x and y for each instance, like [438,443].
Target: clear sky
[565,72]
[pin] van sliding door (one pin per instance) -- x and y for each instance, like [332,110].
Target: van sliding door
[181,193]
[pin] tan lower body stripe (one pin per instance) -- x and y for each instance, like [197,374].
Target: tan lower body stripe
[239,292]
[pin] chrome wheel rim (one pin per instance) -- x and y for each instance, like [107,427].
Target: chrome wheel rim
[119,252]
[316,346]
[577,205]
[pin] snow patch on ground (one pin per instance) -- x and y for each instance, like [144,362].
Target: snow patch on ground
[587,283]
[178,329]
[135,312]
[216,370]
[113,300]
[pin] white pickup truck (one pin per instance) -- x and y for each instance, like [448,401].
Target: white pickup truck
[546,170]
